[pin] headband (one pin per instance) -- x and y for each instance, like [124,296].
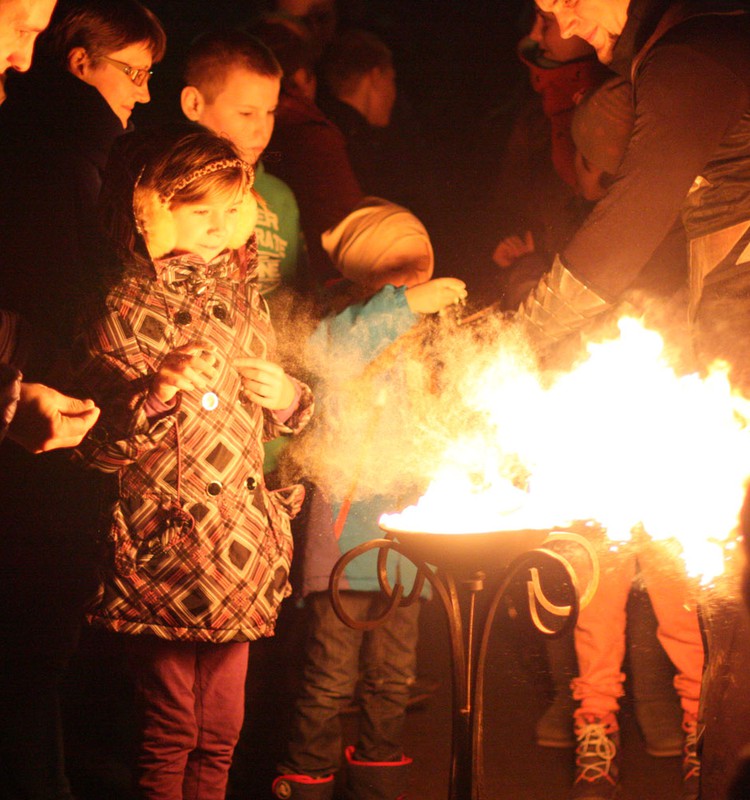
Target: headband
[213,166]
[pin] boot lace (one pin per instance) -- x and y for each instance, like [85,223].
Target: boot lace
[595,753]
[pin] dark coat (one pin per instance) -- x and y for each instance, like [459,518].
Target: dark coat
[692,105]
[55,136]
[308,152]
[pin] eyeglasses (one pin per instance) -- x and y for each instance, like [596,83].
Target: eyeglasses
[138,76]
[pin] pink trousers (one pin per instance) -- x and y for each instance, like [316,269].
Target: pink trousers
[600,632]
[191,698]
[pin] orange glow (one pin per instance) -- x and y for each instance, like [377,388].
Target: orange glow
[622,440]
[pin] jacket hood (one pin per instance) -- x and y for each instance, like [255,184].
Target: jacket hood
[559,84]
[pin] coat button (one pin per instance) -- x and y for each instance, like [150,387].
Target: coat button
[214,488]
[220,311]
[252,483]
[183,318]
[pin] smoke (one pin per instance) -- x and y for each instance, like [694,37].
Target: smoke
[613,428]
[382,427]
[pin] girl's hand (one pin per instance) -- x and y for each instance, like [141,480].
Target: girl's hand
[512,248]
[435,295]
[185,369]
[265,383]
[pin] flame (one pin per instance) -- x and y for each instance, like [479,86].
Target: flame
[622,440]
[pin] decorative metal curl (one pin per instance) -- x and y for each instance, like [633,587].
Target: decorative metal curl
[467,771]
[394,594]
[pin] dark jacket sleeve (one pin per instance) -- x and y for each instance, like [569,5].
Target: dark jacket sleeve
[685,102]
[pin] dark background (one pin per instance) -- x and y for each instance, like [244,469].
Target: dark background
[460,84]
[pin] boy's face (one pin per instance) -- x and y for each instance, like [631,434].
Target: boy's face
[21,21]
[546,33]
[588,179]
[383,98]
[243,111]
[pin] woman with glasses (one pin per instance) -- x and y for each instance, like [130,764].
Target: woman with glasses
[57,126]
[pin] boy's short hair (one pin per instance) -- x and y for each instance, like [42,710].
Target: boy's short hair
[291,43]
[351,55]
[101,27]
[212,55]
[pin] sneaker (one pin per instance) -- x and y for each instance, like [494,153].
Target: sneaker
[691,765]
[597,758]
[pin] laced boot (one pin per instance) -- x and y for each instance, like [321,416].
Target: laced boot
[691,765]
[303,787]
[597,758]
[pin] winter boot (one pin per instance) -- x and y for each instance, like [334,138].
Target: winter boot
[691,765]
[657,706]
[597,758]
[303,787]
[555,727]
[376,780]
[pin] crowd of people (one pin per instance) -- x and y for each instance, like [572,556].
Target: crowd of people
[191,306]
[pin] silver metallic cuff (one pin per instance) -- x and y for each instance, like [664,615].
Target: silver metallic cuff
[560,305]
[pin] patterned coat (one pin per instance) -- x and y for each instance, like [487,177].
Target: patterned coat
[222,578]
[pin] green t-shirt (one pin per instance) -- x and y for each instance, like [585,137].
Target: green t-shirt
[281,255]
[280,245]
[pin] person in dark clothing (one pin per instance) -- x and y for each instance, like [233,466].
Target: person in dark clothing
[359,94]
[536,203]
[307,151]
[689,158]
[56,128]
[34,415]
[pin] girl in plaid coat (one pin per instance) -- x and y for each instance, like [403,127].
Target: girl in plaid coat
[197,548]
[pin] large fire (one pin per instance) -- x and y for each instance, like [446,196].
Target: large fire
[621,440]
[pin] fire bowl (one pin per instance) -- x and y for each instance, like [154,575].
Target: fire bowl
[467,553]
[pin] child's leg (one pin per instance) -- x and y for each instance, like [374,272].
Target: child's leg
[330,676]
[219,709]
[678,630]
[657,706]
[389,661]
[600,639]
[164,677]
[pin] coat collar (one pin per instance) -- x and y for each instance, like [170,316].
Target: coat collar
[63,109]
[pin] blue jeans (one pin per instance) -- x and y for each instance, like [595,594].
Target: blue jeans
[336,657]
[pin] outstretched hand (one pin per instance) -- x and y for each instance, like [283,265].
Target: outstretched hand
[435,295]
[512,248]
[265,383]
[47,420]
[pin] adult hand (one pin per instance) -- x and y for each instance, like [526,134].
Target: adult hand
[512,248]
[47,420]
[435,295]
[186,368]
[265,383]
